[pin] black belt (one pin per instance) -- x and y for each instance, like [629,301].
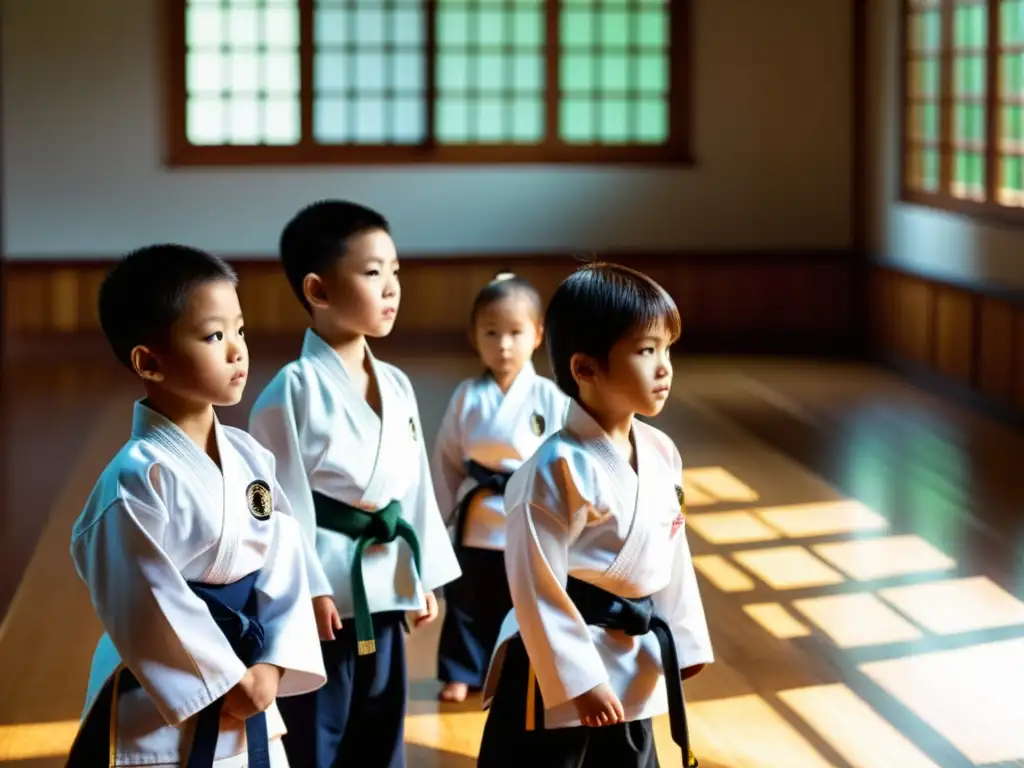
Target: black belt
[636,617]
[233,608]
[486,480]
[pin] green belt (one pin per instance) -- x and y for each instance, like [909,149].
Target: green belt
[367,529]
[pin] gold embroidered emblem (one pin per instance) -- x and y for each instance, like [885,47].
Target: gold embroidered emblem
[259,499]
[412,428]
[537,424]
[681,497]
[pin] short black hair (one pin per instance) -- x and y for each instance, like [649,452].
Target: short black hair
[148,290]
[595,307]
[318,235]
[503,285]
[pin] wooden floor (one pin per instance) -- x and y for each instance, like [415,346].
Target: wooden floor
[859,544]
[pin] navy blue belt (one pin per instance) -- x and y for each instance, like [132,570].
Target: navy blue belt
[233,608]
[486,480]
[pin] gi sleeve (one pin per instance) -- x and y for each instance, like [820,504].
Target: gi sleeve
[538,539]
[274,423]
[680,602]
[438,563]
[163,633]
[447,466]
[291,640]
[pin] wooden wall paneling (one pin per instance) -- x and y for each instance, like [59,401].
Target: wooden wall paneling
[995,339]
[1018,358]
[967,341]
[913,301]
[734,302]
[953,346]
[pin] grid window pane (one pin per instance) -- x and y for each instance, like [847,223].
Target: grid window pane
[614,72]
[490,63]
[369,81]
[241,73]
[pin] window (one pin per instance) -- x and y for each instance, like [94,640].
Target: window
[963,106]
[364,81]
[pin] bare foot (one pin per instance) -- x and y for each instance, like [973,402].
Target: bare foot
[455,692]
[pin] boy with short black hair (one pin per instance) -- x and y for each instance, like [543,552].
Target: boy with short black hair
[345,429]
[607,614]
[193,565]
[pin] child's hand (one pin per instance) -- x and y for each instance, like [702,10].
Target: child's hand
[429,612]
[328,620]
[599,706]
[254,692]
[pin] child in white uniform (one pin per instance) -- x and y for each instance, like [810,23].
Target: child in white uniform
[493,423]
[345,429]
[193,564]
[608,618]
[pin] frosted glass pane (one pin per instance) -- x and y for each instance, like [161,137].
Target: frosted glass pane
[370,125]
[282,72]
[614,122]
[490,72]
[614,72]
[930,169]
[490,120]
[408,71]
[652,73]
[369,27]
[577,72]
[528,121]
[528,28]
[528,72]
[491,27]
[577,120]
[407,27]
[244,72]
[408,125]
[577,28]
[370,71]
[651,32]
[243,121]
[204,73]
[452,28]
[1012,173]
[204,27]
[452,71]
[244,27]
[205,121]
[615,29]
[651,121]
[452,121]
[330,120]
[330,26]
[281,121]
[331,72]
[281,26]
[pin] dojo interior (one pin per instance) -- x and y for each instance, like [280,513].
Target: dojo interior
[831,190]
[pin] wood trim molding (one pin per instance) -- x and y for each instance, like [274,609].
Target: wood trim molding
[782,301]
[964,341]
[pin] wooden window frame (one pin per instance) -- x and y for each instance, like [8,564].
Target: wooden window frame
[180,152]
[989,208]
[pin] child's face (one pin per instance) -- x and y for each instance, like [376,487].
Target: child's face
[205,359]
[362,292]
[507,334]
[638,375]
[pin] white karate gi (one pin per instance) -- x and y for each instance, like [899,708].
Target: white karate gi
[577,508]
[498,431]
[163,514]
